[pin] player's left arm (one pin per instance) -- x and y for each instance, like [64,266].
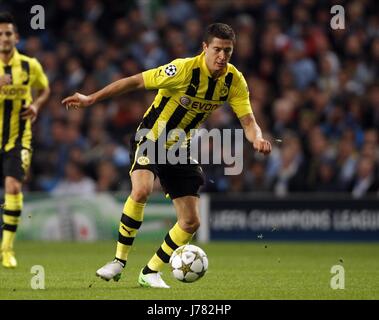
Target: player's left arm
[253,134]
[41,85]
[240,103]
[31,111]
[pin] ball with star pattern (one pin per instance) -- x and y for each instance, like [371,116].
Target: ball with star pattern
[188,263]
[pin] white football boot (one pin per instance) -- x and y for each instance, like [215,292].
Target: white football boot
[152,280]
[112,270]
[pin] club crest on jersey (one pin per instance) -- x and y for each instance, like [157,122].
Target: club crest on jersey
[185,101]
[143,161]
[24,76]
[170,70]
[224,91]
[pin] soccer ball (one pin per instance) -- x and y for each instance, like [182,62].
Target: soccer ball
[188,263]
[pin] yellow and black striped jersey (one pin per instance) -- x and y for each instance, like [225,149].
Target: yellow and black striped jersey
[27,74]
[188,94]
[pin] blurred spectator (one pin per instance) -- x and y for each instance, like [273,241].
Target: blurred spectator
[372,115]
[290,176]
[365,180]
[346,162]
[328,79]
[303,76]
[178,11]
[255,179]
[318,152]
[107,178]
[302,68]
[75,73]
[194,36]
[75,182]
[325,177]
[148,52]
[284,115]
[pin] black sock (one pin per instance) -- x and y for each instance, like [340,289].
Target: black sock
[147,270]
[123,262]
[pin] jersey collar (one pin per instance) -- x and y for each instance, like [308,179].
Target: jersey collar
[15,59]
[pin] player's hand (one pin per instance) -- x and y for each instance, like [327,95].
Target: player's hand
[30,112]
[262,146]
[77,100]
[5,79]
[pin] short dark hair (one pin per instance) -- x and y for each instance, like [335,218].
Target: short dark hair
[6,17]
[219,30]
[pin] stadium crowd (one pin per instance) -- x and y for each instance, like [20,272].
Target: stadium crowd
[315,88]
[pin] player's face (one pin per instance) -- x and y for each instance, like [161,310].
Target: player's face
[8,38]
[217,53]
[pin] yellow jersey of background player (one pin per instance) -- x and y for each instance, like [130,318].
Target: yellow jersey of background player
[19,75]
[25,74]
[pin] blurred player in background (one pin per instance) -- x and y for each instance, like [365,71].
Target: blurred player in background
[189,90]
[19,74]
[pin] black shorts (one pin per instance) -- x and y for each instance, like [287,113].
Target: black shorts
[177,180]
[15,162]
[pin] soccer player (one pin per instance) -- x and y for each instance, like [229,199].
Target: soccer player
[189,90]
[19,74]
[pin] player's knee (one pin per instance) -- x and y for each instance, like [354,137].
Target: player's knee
[141,193]
[12,186]
[13,190]
[190,225]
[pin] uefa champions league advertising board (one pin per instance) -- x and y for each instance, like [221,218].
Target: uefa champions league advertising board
[245,218]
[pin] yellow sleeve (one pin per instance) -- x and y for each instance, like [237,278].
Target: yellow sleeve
[168,76]
[239,97]
[41,81]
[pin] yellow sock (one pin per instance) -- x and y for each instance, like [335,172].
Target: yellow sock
[11,218]
[175,238]
[131,221]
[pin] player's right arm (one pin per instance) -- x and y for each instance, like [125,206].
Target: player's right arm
[116,88]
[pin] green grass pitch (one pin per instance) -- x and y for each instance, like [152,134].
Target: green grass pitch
[237,270]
